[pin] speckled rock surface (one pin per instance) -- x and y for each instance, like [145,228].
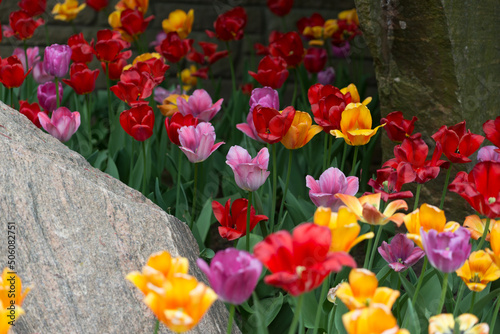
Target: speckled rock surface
[79,232]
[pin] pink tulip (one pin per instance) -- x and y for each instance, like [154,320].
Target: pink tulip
[249,173]
[63,123]
[198,142]
[249,129]
[40,75]
[322,192]
[199,105]
[488,153]
[33,56]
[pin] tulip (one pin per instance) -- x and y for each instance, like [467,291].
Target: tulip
[480,188]
[327,76]
[233,274]
[133,23]
[109,46]
[141,5]
[353,92]
[468,324]
[446,251]
[355,125]
[40,75]
[315,59]
[476,226]
[81,51]
[138,122]
[272,125]
[169,106]
[340,49]
[478,271]
[180,22]
[161,93]
[386,184]
[12,73]
[155,67]
[299,262]
[289,47]
[249,129]
[327,105]
[175,123]
[56,60]
[376,319]
[401,253]
[82,80]
[33,7]
[31,111]
[265,97]
[457,143]
[209,55]
[11,299]
[488,153]
[344,227]
[263,50]
[33,57]
[199,105]
[494,252]
[397,127]
[173,48]
[97,5]
[114,69]
[134,87]
[188,78]
[63,123]
[21,25]
[367,209]
[68,10]
[46,94]
[301,131]
[250,174]
[233,218]
[331,182]
[271,72]
[229,25]
[280,7]
[312,28]
[491,129]
[198,142]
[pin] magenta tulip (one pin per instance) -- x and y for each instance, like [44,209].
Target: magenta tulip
[56,60]
[401,253]
[327,76]
[198,142]
[446,251]
[46,94]
[322,192]
[199,105]
[249,173]
[233,274]
[63,123]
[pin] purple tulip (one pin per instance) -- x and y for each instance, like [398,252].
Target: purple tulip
[446,251]
[401,253]
[249,173]
[56,60]
[341,51]
[266,97]
[233,274]
[33,56]
[40,75]
[198,142]
[159,38]
[327,76]
[488,153]
[322,192]
[199,105]
[46,94]
[63,123]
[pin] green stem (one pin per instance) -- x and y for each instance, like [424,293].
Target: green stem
[330,150]
[461,290]
[145,161]
[319,310]
[296,315]
[473,301]
[193,209]
[327,46]
[288,172]
[57,92]
[325,152]
[157,326]
[301,83]
[344,156]
[443,293]
[420,281]
[11,91]
[417,196]
[485,233]
[448,172]
[275,181]
[398,304]
[369,248]
[495,314]
[354,160]
[89,116]
[110,111]
[231,65]
[231,318]
[249,207]
[375,244]
[295,84]
[47,40]
[178,185]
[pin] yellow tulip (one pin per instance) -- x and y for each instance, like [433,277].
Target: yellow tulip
[376,319]
[353,90]
[187,77]
[445,323]
[356,125]
[181,302]
[169,106]
[114,19]
[494,252]
[68,10]
[363,291]
[301,131]
[351,16]
[476,225]
[478,271]
[344,226]
[331,26]
[179,22]
[366,208]
[6,298]
[143,57]
[429,217]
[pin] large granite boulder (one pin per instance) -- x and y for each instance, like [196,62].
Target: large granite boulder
[79,232]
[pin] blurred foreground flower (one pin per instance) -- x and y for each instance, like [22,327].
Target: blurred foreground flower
[63,123]
[331,182]
[445,323]
[249,174]
[401,253]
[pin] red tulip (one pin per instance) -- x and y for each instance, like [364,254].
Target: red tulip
[233,218]
[280,7]
[327,104]
[82,80]
[138,122]
[109,46]
[97,5]
[314,21]
[134,87]
[300,262]
[12,72]
[247,89]
[289,47]
[33,7]
[155,67]
[397,127]
[492,130]
[271,125]
[263,50]
[81,51]
[22,25]
[386,184]
[480,188]
[133,23]
[209,55]
[458,144]
[315,59]
[271,72]
[30,111]
[229,25]
[175,123]
[173,48]
[115,68]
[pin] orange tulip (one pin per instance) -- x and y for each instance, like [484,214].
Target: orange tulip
[356,125]
[68,10]
[366,208]
[376,319]
[344,226]
[476,225]
[180,22]
[363,291]
[494,252]
[141,5]
[301,131]
[445,323]
[478,271]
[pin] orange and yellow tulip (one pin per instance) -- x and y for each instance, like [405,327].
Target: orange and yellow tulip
[366,208]
[141,5]
[7,300]
[143,57]
[363,291]
[351,16]
[476,225]
[429,217]
[356,125]
[169,106]
[68,10]
[180,22]
[301,131]
[478,271]
[376,319]
[344,226]
[494,252]
[445,323]
[353,90]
